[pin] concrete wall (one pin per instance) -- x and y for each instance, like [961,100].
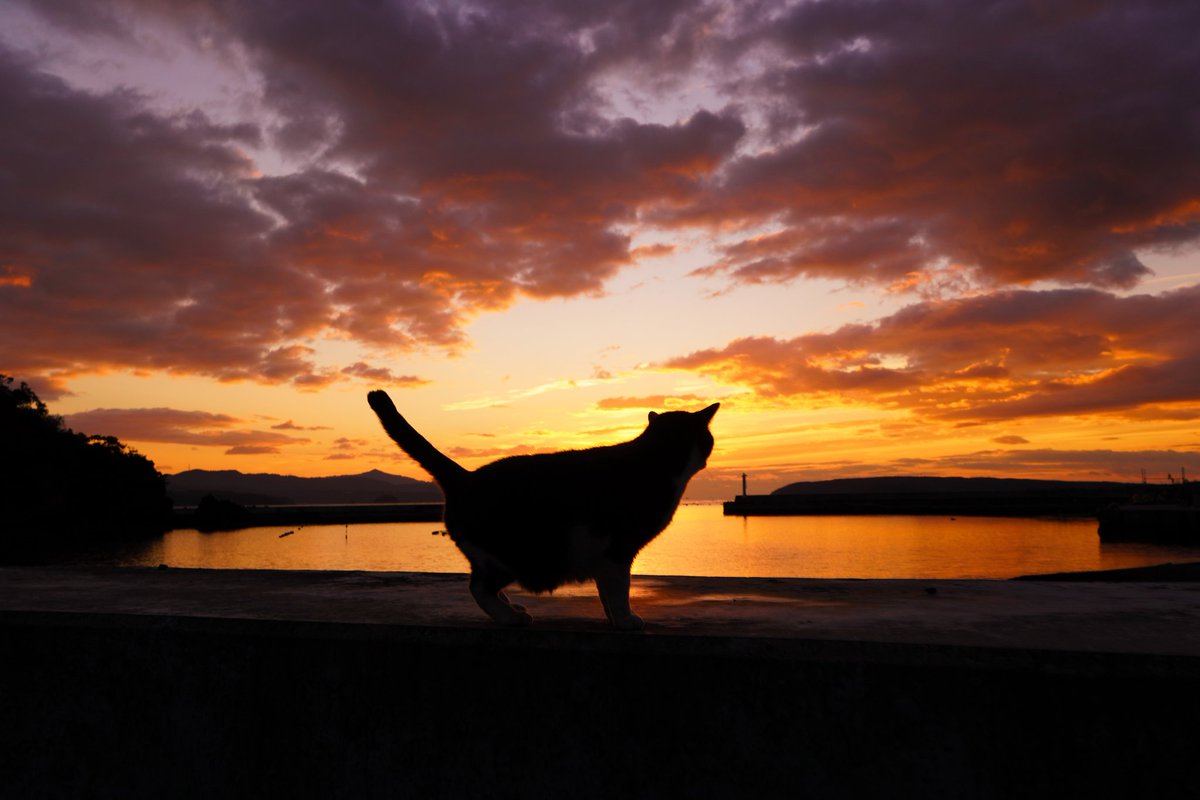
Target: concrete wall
[142,706]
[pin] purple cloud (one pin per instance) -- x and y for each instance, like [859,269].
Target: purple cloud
[431,163]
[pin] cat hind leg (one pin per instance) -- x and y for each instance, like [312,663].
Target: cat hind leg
[487,587]
[497,606]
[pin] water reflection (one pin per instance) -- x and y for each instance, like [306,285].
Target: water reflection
[700,541]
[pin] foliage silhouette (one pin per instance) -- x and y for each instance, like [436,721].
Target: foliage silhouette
[61,489]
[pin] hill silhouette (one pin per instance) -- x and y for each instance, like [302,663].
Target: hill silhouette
[190,487]
[59,488]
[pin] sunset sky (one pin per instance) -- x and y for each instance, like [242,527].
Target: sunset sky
[941,237]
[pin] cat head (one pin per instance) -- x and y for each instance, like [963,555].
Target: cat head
[687,430]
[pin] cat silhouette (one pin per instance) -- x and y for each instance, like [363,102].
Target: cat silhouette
[547,519]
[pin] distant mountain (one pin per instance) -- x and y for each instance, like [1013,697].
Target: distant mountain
[187,488]
[933,485]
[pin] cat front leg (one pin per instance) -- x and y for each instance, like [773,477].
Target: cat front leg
[612,582]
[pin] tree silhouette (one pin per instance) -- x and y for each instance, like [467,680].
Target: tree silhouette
[59,488]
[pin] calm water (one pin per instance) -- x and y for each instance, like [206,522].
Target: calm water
[700,541]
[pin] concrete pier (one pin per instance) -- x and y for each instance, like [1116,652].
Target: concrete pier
[142,682]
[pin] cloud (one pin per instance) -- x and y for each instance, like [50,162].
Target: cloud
[1010,439]
[647,251]
[1080,464]
[495,453]
[446,161]
[251,450]
[998,356]
[558,385]
[1022,144]
[394,170]
[1041,463]
[360,369]
[138,244]
[657,401]
[291,426]
[175,426]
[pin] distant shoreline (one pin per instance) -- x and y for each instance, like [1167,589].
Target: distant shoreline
[928,496]
[333,514]
[912,506]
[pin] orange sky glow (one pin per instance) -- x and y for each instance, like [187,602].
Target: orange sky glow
[896,239]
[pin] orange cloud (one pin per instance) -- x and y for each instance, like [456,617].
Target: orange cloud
[11,276]
[251,450]
[291,426]
[652,251]
[1010,439]
[383,375]
[652,402]
[175,426]
[1000,356]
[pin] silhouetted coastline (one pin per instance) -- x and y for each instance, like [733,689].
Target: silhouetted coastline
[925,496]
[189,488]
[216,514]
[61,490]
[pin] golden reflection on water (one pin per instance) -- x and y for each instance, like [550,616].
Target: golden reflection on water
[700,541]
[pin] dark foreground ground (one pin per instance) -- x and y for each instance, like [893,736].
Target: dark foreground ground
[182,683]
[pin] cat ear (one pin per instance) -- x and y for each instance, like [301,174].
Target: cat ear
[653,416]
[708,413]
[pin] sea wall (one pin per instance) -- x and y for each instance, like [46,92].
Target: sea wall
[1082,503]
[147,705]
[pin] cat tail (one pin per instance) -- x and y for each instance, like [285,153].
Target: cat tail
[443,469]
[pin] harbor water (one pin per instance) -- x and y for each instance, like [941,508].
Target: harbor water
[699,541]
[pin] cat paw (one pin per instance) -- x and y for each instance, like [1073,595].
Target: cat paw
[518,619]
[504,599]
[630,623]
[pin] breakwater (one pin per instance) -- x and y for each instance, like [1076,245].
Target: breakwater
[1058,501]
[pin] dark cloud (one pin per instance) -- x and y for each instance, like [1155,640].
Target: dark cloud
[442,160]
[176,426]
[134,241]
[361,369]
[1047,463]
[451,160]
[1023,141]
[251,450]
[1010,439]
[992,357]
[1082,464]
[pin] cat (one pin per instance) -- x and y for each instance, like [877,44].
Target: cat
[544,520]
